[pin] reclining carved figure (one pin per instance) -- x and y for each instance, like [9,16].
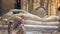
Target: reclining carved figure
[29,16]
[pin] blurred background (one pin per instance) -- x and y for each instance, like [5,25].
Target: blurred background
[52,7]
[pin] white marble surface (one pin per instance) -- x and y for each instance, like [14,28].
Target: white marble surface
[42,28]
[32,22]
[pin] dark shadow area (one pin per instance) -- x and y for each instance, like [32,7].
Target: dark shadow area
[18,4]
[0,7]
[58,8]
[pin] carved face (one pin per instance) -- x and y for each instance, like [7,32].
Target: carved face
[40,12]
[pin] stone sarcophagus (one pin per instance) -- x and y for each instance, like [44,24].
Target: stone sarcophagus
[32,24]
[34,27]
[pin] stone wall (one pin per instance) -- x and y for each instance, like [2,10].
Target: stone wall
[7,5]
[51,6]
